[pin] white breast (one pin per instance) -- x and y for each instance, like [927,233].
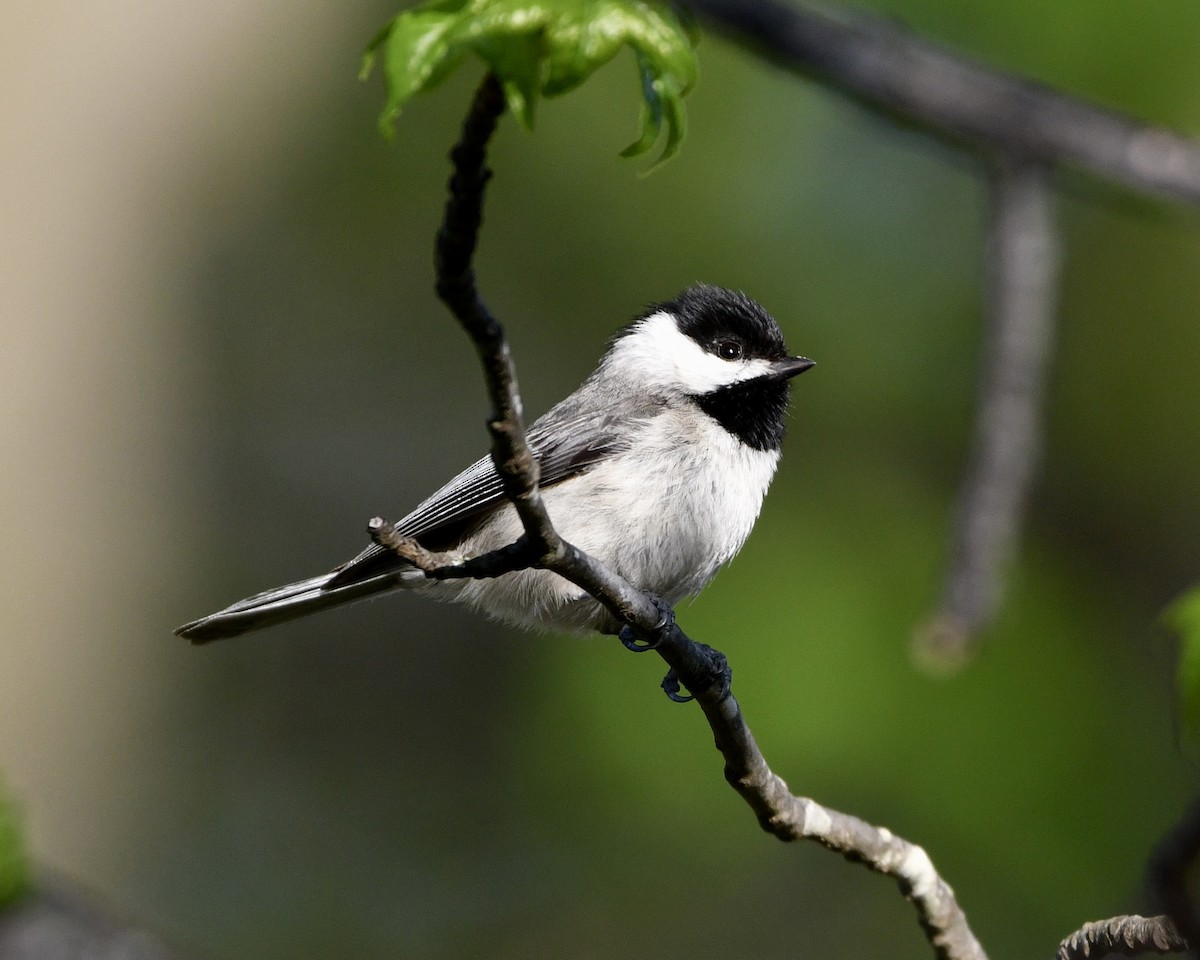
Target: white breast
[677,514]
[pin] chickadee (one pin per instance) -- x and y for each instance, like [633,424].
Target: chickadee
[656,466]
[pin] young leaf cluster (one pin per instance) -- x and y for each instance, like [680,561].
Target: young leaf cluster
[541,48]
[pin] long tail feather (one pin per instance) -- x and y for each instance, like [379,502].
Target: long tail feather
[282,604]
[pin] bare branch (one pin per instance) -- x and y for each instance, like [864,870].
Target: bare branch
[1169,866]
[701,669]
[511,455]
[885,67]
[455,248]
[1127,936]
[1022,260]
[789,817]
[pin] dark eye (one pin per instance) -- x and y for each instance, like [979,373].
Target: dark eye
[729,350]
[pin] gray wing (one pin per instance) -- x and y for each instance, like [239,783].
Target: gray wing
[565,444]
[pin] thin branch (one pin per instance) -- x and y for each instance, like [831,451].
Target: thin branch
[890,70]
[1170,864]
[789,817]
[455,248]
[701,669]
[1022,265]
[511,455]
[1127,936]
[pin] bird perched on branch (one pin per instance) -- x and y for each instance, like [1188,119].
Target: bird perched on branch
[656,466]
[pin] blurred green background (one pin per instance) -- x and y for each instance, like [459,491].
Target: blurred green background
[221,353]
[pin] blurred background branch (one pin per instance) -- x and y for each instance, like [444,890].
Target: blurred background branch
[889,69]
[1025,130]
[1122,936]
[1021,267]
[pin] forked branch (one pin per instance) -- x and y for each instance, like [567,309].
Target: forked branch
[696,666]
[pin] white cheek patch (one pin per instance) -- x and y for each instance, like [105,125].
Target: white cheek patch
[657,353]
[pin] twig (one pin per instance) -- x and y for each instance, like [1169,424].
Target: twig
[890,70]
[789,817]
[701,669]
[1170,864]
[520,555]
[511,455]
[1022,260]
[1127,936]
[455,248]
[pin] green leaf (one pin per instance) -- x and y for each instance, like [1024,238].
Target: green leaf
[415,57]
[660,102]
[515,63]
[542,48]
[1183,617]
[14,867]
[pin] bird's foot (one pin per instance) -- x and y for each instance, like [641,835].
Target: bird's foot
[707,669]
[636,643]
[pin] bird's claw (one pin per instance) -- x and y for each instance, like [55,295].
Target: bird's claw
[712,666]
[713,675]
[633,643]
[636,643]
[671,687]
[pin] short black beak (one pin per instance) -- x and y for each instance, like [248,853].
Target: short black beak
[791,366]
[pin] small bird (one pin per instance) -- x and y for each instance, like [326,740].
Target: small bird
[656,466]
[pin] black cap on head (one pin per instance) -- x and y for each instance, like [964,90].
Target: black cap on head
[710,315]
